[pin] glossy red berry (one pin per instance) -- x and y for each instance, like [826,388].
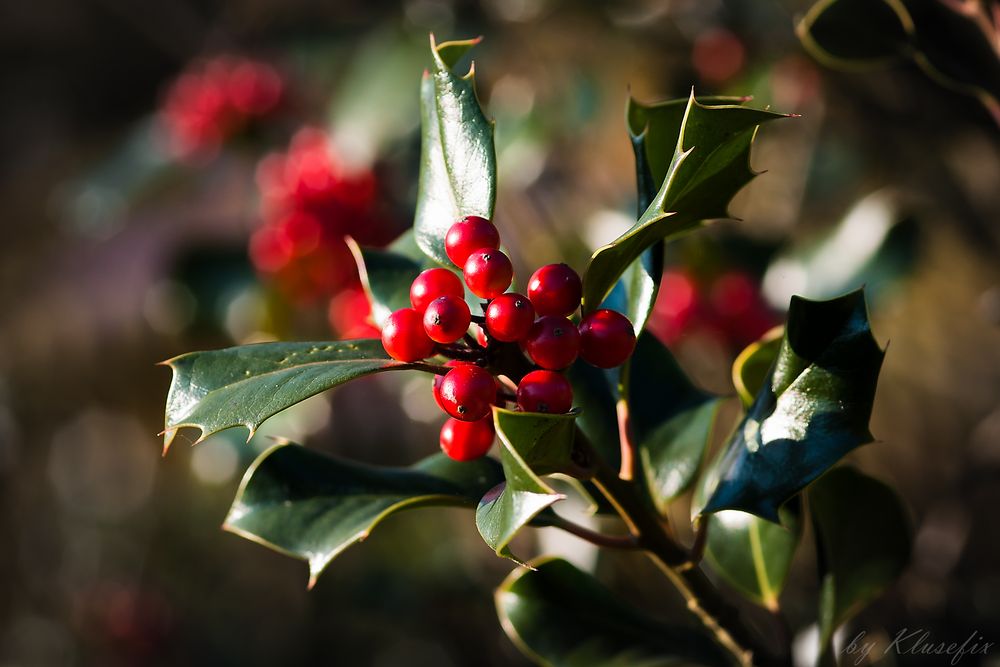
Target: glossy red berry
[434,283]
[488,273]
[467,392]
[447,319]
[555,289]
[607,338]
[468,235]
[553,342]
[509,317]
[544,391]
[404,338]
[438,379]
[465,441]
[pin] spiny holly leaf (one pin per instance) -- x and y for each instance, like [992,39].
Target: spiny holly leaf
[671,420]
[386,277]
[457,156]
[532,445]
[312,506]
[710,163]
[559,616]
[754,363]
[814,408]
[245,385]
[754,555]
[862,542]
[856,33]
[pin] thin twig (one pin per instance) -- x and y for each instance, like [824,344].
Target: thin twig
[594,537]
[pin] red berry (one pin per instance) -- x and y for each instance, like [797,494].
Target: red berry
[467,392]
[465,441]
[555,289]
[447,319]
[553,342]
[404,338]
[468,235]
[544,391]
[509,317]
[438,379]
[606,338]
[434,283]
[488,273]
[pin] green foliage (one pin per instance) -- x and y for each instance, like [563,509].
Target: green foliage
[386,277]
[598,417]
[813,408]
[753,555]
[753,364]
[862,542]
[245,385]
[312,506]
[671,420]
[710,163]
[457,156]
[560,616]
[532,445]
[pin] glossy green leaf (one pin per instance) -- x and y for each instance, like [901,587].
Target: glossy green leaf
[245,385]
[562,617]
[710,163]
[813,408]
[598,418]
[386,277]
[671,420]
[457,156]
[754,363]
[753,555]
[863,543]
[531,445]
[856,32]
[312,506]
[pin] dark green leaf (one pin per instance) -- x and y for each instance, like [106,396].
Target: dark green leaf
[754,555]
[532,445]
[814,408]
[671,420]
[710,163]
[312,506]
[386,277]
[245,385]
[562,617]
[856,32]
[457,156]
[598,419]
[754,363]
[863,542]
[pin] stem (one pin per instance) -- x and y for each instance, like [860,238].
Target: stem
[479,319]
[429,368]
[594,537]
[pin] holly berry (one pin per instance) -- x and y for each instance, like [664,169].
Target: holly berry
[607,338]
[509,317]
[544,391]
[404,338]
[465,441]
[432,284]
[468,235]
[555,289]
[447,319]
[553,342]
[438,379]
[488,273]
[467,392]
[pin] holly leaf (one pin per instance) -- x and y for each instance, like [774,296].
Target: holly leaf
[671,420]
[753,364]
[558,615]
[598,417]
[710,163]
[386,277]
[245,385]
[856,33]
[814,407]
[531,445]
[312,506]
[457,156]
[753,555]
[862,542]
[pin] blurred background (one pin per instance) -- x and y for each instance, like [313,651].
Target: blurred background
[179,176]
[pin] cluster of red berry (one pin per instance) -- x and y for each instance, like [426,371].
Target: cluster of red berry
[212,100]
[440,318]
[309,202]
